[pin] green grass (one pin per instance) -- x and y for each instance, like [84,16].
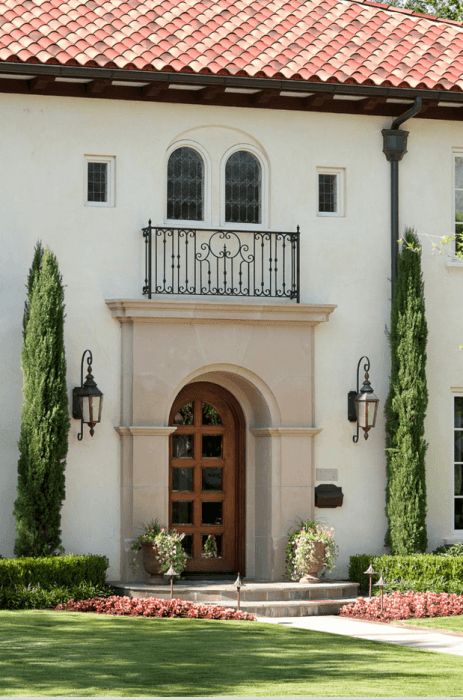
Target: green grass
[50,653]
[446,624]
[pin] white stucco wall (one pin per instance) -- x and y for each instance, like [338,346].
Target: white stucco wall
[344,261]
[427,196]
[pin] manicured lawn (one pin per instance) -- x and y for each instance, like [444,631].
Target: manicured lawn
[446,624]
[50,653]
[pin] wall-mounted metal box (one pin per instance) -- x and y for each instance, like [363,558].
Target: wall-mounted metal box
[328,496]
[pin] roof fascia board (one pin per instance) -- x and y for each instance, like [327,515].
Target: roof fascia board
[225,81]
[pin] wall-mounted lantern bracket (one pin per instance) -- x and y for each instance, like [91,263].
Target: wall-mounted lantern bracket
[362,404]
[87,399]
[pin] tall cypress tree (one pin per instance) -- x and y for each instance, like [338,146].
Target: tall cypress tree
[406,407]
[43,440]
[33,272]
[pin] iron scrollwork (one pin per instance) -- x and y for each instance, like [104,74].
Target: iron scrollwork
[221,262]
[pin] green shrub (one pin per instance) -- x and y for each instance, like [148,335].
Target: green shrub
[51,572]
[22,597]
[450,550]
[43,582]
[413,572]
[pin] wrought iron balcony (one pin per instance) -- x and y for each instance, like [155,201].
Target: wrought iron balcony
[219,262]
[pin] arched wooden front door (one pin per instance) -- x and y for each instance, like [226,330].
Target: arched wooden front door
[206,484]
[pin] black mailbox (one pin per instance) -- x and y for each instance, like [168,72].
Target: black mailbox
[328,496]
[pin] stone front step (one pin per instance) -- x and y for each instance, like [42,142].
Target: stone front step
[263,599]
[283,608]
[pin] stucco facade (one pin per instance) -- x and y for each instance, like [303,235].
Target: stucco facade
[289,366]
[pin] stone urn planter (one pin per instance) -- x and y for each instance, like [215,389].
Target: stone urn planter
[150,560]
[315,564]
[311,549]
[160,548]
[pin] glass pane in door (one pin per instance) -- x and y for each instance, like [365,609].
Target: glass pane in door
[183,446]
[212,479]
[210,415]
[182,512]
[212,513]
[184,415]
[211,546]
[212,445]
[182,479]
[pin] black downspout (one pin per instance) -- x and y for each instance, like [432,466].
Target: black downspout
[394,148]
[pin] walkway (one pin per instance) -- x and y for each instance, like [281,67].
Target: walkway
[418,638]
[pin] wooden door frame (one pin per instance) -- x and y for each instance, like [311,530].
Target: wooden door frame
[240,446]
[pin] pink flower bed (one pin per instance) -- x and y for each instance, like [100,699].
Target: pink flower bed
[153,607]
[403,606]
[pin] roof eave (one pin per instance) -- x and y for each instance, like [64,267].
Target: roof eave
[205,79]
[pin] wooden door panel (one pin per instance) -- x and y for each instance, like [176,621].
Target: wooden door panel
[206,438]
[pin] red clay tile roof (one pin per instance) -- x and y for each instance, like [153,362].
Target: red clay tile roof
[337,41]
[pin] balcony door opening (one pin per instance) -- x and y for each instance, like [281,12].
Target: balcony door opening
[206,478]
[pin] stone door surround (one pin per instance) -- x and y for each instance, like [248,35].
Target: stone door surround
[263,354]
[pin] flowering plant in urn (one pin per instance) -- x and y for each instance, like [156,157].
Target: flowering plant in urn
[170,550]
[310,549]
[161,549]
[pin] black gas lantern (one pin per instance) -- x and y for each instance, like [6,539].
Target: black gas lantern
[362,404]
[87,399]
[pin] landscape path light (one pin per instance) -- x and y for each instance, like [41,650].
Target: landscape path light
[362,404]
[370,572]
[238,585]
[172,574]
[87,399]
[381,583]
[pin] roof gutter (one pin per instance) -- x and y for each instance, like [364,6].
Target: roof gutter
[394,148]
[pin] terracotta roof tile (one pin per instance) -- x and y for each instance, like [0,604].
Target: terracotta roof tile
[320,40]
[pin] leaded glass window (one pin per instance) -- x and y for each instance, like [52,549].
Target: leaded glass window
[327,193]
[330,191]
[97,182]
[99,187]
[185,185]
[243,188]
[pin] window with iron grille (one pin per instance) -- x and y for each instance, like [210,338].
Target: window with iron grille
[243,189]
[330,192]
[185,185]
[99,185]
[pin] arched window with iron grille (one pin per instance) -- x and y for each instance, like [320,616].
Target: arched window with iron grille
[243,189]
[185,185]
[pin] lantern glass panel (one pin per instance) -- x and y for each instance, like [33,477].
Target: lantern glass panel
[362,411]
[373,411]
[91,409]
[85,404]
[367,406]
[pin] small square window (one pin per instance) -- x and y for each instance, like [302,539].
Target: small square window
[330,192]
[99,181]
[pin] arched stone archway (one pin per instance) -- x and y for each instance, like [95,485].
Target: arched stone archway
[247,386]
[261,413]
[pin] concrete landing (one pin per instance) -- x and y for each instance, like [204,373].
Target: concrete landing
[280,599]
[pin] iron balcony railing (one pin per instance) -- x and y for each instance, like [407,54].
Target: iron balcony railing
[221,262]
